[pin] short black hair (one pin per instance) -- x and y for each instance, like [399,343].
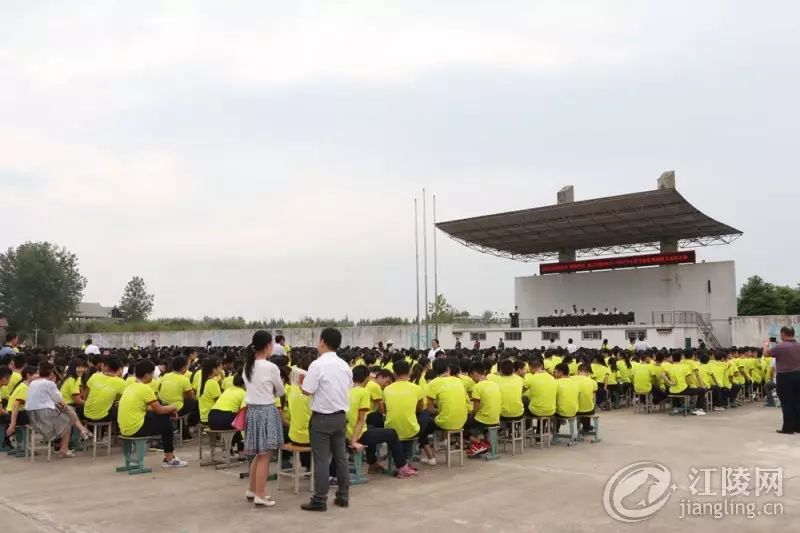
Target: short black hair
[563,368]
[144,367]
[788,331]
[332,338]
[360,374]
[113,363]
[45,369]
[477,368]
[440,366]
[401,368]
[279,338]
[506,367]
[178,362]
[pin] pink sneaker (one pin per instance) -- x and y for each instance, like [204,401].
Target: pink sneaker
[405,473]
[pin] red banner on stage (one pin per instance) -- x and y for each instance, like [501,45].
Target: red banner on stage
[674,258]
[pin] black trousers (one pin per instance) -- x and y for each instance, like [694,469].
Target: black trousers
[375,420]
[222,421]
[191,408]
[788,385]
[156,424]
[110,417]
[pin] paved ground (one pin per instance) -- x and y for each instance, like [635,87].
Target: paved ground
[560,489]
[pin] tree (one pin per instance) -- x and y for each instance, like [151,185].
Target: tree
[441,312]
[758,297]
[790,296]
[40,286]
[136,304]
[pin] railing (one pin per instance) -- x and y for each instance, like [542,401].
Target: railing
[688,318]
[500,323]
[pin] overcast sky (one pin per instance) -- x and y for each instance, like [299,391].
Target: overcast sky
[261,158]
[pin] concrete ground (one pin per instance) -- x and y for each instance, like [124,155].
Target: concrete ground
[557,489]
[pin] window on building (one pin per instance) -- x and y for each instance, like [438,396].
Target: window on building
[513,335]
[633,334]
[477,336]
[551,336]
[592,335]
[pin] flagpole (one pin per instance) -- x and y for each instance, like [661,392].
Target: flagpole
[425,262]
[435,264]
[416,264]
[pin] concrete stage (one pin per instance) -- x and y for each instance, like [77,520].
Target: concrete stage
[559,489]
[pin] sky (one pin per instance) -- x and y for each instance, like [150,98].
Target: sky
[261,158]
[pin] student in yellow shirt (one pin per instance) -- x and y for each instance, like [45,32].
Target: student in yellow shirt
[5,418]
[405,402]
[176,389]
[141,415]
[567,395]
[447,402]
[624,370]
[299,406]
[642,376]
[466,365]
[16,400]
[604,378]
[71,385]
[104,389]
[540,390]
[359,435]
[208,390]
[379,379]
[510,385]
[225,409]
[677,374]
[487,403]
[586,390]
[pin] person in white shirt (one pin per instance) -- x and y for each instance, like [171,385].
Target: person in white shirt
[47,412]
[641,345]
[571,348]
[264,430]
[91,348]
[435,350]
[328,382]
[277,348]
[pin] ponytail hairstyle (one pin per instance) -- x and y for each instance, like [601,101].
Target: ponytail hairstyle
[418,370]
[261,340]
[206,369]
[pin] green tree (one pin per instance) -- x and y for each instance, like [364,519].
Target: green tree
[757,297]
[136,303]
[441,312]
[40,286]
[790,296]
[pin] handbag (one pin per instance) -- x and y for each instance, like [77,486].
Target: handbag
[240,422]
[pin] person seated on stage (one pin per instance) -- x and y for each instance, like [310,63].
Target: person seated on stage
[555,313]
[615,311]
[567,395]
[594,311]
[574,309]
[583,312]
[225,409]
[176,389]
[562,313]
[405,403]
[586,395]
[606,312]
[540,390]
[485,412]
[447,402]
[16,401]
[105,388]
[510,391]
[208,390]
[359,435]
[676,377]
[71,385]
[141,415]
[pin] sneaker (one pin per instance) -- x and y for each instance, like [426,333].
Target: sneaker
[267,502]
[474,449]
[412,468]
[404,473]
[333,481]
[249,495]
[483,448]
[700,412]
[174,463]
[429,462]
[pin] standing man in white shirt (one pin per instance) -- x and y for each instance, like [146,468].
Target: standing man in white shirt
[277,348]
[328,382]
[435,350]
[91,348]
[641,345]
[571,348]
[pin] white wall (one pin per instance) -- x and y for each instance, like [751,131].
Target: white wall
[754,330]
[641,290]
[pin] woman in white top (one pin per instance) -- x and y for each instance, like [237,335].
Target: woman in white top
[264,433]
[47,412]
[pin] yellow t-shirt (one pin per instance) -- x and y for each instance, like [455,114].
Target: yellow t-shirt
[450,396]
[227,382]
[586,388]
[488,393]
[511,395]
[69,388]
[300,415]
[401,399]
[705,376]
[359,399]
[206,402]
[375,394]
[20,393]
[231,400]
[133,407]
[642,377]
[601,371]
[103,392]
[467,381]
[172,388]
[573,368]
[542,390]
[567,397]
[623,373]
[677,374]
[15,378]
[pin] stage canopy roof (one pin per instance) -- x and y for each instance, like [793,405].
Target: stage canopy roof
[636,222]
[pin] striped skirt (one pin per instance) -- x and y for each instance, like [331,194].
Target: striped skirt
[264,432]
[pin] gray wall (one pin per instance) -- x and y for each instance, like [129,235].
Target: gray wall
[754,330]
[365,336]
[641,290]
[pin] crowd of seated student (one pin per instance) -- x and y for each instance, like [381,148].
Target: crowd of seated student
[398,396]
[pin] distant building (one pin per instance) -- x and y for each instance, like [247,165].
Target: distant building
[89,311]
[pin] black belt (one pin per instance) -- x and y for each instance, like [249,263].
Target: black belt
[327,414]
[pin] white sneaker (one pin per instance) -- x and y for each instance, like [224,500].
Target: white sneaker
[258,502]
[429,462]
[249,495]
[174,463]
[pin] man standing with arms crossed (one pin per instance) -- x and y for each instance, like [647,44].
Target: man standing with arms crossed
[787,364]
[328,382]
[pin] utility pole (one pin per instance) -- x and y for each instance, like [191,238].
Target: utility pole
[416,265]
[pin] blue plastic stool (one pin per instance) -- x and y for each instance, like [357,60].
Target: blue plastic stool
[140,445]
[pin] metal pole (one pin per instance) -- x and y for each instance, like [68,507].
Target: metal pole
[425,255]
[416,264]
[435,263]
